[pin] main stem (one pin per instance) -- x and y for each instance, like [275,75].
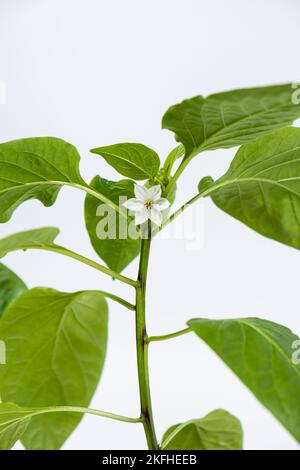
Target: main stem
[142,345]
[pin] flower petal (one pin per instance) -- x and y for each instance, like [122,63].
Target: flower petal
[161,204]
[134,204]
[155,216]
[141,192]
[154,192]
[142,216]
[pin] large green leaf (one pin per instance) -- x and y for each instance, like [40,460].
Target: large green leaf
[262,186]
[132,160]
[55,345]
[232,118]
[118,249]
[35,168]
[219,430]
[11,286]
[260,353]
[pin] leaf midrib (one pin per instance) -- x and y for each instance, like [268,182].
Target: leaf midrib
[270,340]
[60,331]
[33,173]
[203,145]
[217,186]
[118,157]
[86,188]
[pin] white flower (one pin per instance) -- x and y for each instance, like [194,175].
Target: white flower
[147,204]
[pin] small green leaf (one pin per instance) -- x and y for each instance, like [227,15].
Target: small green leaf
[219,430]
[118,249]
[262,186]
[37,238]
[260,353]
[55,347]
[205,183]
[35,168]
[176,153]
[13,423]
[11,286]
[135,161]
[232,118]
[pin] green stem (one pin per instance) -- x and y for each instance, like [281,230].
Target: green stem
[169,336]
[86,188]
[179,211]
[82,187]
[178,173]
[79,409]
[71,254]
[142,345]
[118,299]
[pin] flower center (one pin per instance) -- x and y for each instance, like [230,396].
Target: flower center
[148,204]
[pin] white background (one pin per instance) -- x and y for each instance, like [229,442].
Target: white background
[99,72]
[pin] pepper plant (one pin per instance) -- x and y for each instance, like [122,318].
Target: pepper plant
[55,342]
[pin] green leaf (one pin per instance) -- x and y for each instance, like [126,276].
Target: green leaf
[13,423]
[14,419]
[135,161]
[37,238]
[260,354]
[176,153]
[219,430]
[43,239]
[232,118]
[11,286]
[118,249]
[35,168]
[55,345]
[262,186]
[205,183]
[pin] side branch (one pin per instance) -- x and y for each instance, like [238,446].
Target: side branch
[79,409]
[169,336]
[72,254]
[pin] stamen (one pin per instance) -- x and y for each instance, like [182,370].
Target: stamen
[148,204]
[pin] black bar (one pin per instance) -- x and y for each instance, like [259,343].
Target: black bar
[135,458]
